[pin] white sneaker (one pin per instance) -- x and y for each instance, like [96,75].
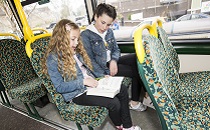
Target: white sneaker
[138,107]
[148,102]
[136,128]
[133,128]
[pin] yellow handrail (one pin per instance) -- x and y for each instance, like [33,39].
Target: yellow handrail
[27,31]
[138,40]
[10,34]
[28,43]
[155,23]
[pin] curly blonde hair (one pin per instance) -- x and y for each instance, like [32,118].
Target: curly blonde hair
[60,45]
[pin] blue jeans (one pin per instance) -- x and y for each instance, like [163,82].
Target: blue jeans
[118,106]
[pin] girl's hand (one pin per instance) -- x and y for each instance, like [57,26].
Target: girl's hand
[91,82]
[113,67]
[106,76]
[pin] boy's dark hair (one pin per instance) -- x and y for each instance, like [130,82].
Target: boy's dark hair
[104,8]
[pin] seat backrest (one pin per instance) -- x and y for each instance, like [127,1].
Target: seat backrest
[15,66]
[68,111]
[161,81]
[39,47]
[163,37]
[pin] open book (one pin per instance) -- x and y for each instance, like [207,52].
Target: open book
[108,87]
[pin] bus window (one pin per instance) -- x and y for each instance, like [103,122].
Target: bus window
[48,14]
[8,25]
[183,17]
[184,21]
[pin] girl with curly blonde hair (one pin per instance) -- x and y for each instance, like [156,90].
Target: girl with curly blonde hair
[70,71]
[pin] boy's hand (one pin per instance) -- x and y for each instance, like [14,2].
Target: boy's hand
[113,68]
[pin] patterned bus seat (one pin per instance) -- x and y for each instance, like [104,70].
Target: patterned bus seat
[179,105]
[92,116]
[18,76]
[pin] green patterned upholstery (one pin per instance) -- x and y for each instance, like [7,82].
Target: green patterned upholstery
[171,53]
[163,37]
[180,104]
[127,81]
[17,74]
[85,115]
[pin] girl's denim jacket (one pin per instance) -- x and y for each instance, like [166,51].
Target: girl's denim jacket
[68,87]
[96,50]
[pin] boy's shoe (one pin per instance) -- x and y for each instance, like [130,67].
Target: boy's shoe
[133,128]
[148,102]
[138,107]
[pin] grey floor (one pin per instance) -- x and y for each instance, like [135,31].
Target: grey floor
[16,121]
[147,120]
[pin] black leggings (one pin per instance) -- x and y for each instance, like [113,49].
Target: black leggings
[118,106]
[127,66]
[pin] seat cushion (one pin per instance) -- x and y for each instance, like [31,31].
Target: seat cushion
[28,92]
[92,116]
[195,84]
[194,113]
[194,100]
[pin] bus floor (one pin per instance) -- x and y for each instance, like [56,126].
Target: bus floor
[147,120]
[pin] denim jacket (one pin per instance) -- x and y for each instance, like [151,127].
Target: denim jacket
[96,50]
[69,88]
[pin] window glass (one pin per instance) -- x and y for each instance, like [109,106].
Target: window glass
[47,15]
[195,16]
[175,15]
[8,24]
[184,18]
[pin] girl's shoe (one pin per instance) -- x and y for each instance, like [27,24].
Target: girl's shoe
[119,127]
[133,128]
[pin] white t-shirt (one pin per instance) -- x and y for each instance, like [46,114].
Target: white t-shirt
[83,69]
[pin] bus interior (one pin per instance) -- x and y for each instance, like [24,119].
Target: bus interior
[27,23]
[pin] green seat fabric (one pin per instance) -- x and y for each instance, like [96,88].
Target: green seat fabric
[17,74]
[171,53]
[127,81]
[85,115]
[163,37]
[197,82]
[181,103]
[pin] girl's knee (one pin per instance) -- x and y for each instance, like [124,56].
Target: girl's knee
[114,105]
[124,88]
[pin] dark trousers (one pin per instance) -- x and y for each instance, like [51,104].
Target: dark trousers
[127,66]
[118,106]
